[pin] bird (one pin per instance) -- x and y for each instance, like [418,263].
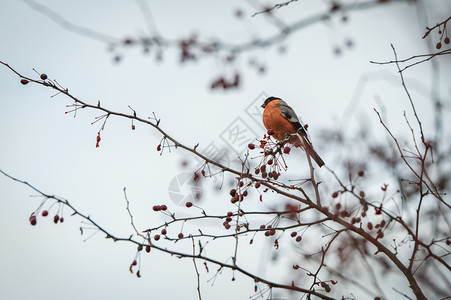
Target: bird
[279,117]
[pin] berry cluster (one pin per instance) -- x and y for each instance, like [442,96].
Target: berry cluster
[57,218]
[272,162]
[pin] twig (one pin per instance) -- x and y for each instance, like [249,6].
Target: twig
[428,30]
[195,268]
[428,56]
[276,6]
[408,95]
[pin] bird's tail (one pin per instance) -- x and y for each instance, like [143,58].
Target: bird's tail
[307,145]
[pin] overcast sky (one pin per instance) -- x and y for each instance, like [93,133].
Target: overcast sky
[56,152]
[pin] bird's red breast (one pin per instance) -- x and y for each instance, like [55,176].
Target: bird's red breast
[273,119]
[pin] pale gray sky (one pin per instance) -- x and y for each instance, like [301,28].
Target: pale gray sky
[56,152]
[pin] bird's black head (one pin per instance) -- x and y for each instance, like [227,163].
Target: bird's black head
[269,100]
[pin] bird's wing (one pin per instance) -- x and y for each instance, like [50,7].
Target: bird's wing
[289,114]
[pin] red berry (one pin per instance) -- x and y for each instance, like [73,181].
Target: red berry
[56,219]
[163,231]
[133,127]
[33,220]
[370,226]
[361,173]
[298,238]
[362,194]
[262,226]
[251,146]
[140,248]
[24,81]
[156,237]
[61,220]
[227,226]
[335,194]
[296,267]
[439,45]
[180,235]
[270,132]
[189,204]
[257,184]
[232,192]
[338,206]
[228,219]
[270,162]
[286,150]
[159,148]
[244,193]
[156,207]
[147,249]
[267,233]
[163,207]
[446,40]
[229,214]
[134,263]
[241,184]
[45,213]
[43,76]
[294,233]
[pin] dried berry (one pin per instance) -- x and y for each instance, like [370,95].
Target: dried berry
[156,237]
[45,213]
[164,231]
[33,220]
[251,146]
[189,204]
[294,233]
[180,236]
[334,194]
[286,150]
[43,76]
[24,81]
